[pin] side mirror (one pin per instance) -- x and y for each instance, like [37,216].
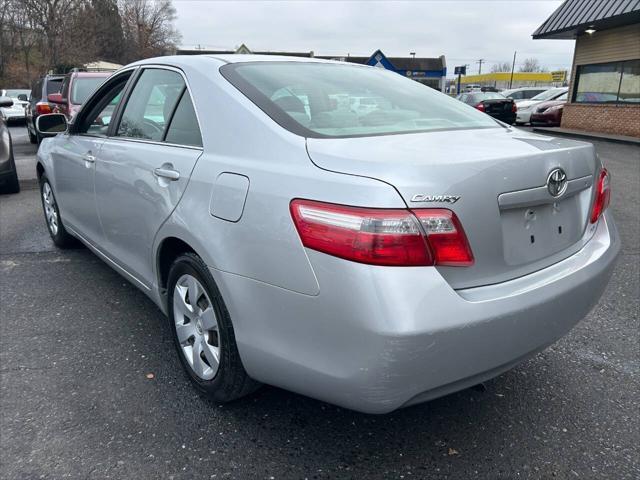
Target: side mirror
[6,102]
[23,97]
[55,98]
[51,124]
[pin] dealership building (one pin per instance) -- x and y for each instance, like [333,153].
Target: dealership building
[604,92]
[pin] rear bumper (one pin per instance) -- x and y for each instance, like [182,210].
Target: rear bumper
[11,115]
[509,118]
[378,338]
[523,116]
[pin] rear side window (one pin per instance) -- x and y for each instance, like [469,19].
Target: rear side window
[184,129]
[151,105]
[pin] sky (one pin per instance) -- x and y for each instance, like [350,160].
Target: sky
[462,31]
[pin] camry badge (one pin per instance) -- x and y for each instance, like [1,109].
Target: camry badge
[557,182]
[421,197]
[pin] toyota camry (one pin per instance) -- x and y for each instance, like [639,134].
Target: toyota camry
[373,258]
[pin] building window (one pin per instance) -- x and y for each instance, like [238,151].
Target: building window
[616,82]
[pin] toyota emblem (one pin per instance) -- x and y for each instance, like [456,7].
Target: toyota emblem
[557,182]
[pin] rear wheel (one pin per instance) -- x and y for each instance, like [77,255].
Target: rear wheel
[33,138]
[59,235]
[12,185]
[203,333]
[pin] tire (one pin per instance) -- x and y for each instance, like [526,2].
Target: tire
[227,380]
[33,138]
[59,235]
[12,184]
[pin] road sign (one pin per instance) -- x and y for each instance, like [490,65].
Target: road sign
[462,70]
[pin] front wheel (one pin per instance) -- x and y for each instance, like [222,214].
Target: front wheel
[203,333]
[59,235]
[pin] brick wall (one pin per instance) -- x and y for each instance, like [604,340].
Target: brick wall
[614,119]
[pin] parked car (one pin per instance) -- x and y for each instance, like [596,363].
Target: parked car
[39,103]
[549,113]
[492,103]
[8,173]
[523,93]
[371,261]
[526,107]
[17,111]
[76,88]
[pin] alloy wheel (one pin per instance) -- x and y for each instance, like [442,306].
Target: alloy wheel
[50,208]
[196,327]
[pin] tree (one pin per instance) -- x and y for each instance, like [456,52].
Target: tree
[501,67]
[532,65]
[148,28]
[100,26]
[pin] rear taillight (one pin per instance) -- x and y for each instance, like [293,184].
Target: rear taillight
[514,107]
[603,195]
[480,107]
[393,237]
[43,108]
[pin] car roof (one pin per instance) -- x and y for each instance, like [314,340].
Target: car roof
[194,60]
[91,74]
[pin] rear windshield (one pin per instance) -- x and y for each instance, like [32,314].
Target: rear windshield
[479,97]
[82,87]
[54,85]
[340,100]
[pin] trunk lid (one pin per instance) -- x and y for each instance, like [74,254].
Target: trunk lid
[498,106]
[514,225]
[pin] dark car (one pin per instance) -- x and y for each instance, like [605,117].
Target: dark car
[39,103]
[8,174]
[76,88]
[492,103]
[549,114]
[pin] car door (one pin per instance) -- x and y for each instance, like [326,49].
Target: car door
[145,165]
[74,158]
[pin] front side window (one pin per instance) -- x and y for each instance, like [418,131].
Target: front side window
[96,117]
[151,104]
[608,83]
[340,100]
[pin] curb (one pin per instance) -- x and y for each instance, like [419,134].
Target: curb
[589,135]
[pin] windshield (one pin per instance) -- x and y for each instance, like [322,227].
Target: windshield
[479,97]
[82,87]
[14,93]
[547,94]
[341,100]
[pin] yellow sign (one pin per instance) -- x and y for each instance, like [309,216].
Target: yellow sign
[559,75]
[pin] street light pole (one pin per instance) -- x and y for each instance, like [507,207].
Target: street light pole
[513,67]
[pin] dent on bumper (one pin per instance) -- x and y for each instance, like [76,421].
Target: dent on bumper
[379,338]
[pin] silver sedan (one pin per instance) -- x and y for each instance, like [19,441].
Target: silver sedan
[370,258]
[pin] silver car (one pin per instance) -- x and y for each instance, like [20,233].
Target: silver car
[372,261]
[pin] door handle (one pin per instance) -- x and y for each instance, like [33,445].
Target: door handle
[167,173]
[89,158]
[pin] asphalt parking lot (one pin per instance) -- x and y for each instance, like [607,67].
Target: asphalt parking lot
[78,344]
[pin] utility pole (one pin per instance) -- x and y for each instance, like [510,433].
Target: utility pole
[480,62]
[513,67]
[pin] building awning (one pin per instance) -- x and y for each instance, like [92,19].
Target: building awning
[574,17]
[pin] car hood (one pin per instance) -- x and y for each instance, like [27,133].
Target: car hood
[551,103]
